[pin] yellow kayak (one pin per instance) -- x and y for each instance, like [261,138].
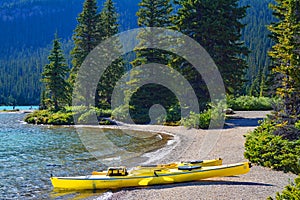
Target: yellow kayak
[118,177]
[145,168]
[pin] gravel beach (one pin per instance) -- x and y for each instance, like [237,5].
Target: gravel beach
[228,144]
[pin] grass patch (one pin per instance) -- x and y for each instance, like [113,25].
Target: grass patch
[250,103]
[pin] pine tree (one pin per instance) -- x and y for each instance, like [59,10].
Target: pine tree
[108,24]
[86,36]
[285,54]
[54,77]
[216,25]
[152,13]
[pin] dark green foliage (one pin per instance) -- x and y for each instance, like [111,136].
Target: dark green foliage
[266,149]
[86,35]
[54,75]
[153,94]
[297,125]
[198,121]
[108,26]
[49,117]
[108,23]
[24,50]
[65,116]
[285,55]
[256,37]
[216,26]
[288,132]
[20,76]
[121,114]
[94,116]
[152,13]
[250,103]
[290,192]
[89,118]
[61,118]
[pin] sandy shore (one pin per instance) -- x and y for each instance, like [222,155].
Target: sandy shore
[228,144]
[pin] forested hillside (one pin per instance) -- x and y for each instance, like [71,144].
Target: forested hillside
[256,37]
[27,30]
[28,27]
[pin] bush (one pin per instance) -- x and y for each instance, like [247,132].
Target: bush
[199,121]
[92,116]
[89,117]
[291,191]
[61,118]
[266,149]
[297,125]
[38,117]
[250,103]
[49,117]
[121,114]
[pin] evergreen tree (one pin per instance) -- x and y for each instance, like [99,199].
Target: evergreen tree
[86,36]
[108,24]
[54,77]
[216,25]
[285,54]
[152,13]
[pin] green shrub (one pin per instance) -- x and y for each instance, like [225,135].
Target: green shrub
[199,121]
[61,118]
[173,115]
[103,113]
[38,117]
[121,114]
[89,117]
[65,116]
[297,125]
[291,191]
[266,149]
[250,103]
[49,117]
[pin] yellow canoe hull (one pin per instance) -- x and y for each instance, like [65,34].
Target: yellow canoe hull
[167,176]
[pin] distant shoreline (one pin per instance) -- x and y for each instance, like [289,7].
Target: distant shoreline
[18,109]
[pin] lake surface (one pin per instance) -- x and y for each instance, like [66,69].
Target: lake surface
[29,154]
[19,107]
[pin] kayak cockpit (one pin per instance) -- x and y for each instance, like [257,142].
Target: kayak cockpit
[117,171]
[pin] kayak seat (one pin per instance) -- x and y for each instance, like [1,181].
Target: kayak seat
[117,171]
[189,167]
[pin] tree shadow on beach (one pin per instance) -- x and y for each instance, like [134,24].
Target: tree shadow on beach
[242,122]
[203,183]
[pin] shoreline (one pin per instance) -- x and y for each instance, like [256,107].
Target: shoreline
[259,183]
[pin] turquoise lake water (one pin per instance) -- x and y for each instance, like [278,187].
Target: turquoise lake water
[19,107]
[29,154]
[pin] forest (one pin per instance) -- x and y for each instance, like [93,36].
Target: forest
[38,20]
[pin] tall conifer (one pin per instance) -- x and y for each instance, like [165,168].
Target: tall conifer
[152,13]
[54,77]
[108,24]
[86,36]
[216,25]
[286,57]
